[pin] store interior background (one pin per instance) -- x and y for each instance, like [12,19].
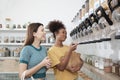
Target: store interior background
[23,11]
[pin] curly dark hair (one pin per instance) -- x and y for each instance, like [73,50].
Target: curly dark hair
[55,26]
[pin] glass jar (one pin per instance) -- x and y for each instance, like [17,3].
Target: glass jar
[17,39]
[8,22]
[96,63]
[119,70]
[0,39]
[87,6]
[83,12]
[0,25]
[104,4]
[19,26]
[107,62]
[16,52]
[12,39]
[24,26]
[119,67]
[1,52]
[14,26]
[101,63]
[108,65]
[80,13]
[6,39]
[7,52]
[115,68]
[23,39]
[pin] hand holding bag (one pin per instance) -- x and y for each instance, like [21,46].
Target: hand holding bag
[75,61]
[23,76]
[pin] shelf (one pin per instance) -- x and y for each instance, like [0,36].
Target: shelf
[47,44]
[12,30]
[101,73]
[20,44]
[11,58]
[16,30]
[11,44]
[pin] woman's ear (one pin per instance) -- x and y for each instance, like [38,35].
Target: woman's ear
[56,33]
[34,33]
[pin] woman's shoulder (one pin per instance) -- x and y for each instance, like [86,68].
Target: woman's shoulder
[55,48]
[27,47]
[43,48]
[24,48]
[51,48]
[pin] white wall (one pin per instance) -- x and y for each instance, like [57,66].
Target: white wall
[23,11]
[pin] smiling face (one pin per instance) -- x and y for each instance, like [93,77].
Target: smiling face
[40,34]
[61,35]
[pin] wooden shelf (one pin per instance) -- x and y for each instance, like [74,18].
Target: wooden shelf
[101,73]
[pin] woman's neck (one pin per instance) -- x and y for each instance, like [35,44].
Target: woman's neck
[36,43]
[58,43]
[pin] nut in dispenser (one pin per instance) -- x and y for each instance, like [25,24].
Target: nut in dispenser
[104,20]
[114,6]
[95,27]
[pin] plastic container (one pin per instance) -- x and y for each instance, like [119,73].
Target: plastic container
[83,12]
[80,13]
[91,6]
[87,6]
[104,4]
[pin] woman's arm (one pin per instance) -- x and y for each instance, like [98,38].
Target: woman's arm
[30,72]
[64,61]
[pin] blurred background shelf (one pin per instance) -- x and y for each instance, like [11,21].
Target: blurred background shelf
[20,44]
[9,58]
[103,75]
[17,30]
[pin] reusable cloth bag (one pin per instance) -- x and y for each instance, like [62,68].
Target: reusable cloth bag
[74,61]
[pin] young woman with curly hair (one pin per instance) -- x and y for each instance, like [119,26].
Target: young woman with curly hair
[59,50]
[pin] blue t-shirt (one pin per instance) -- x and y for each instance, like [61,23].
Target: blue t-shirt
[33,56]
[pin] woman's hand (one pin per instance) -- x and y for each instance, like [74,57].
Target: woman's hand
[46,62]
[73,69]
[73,47]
